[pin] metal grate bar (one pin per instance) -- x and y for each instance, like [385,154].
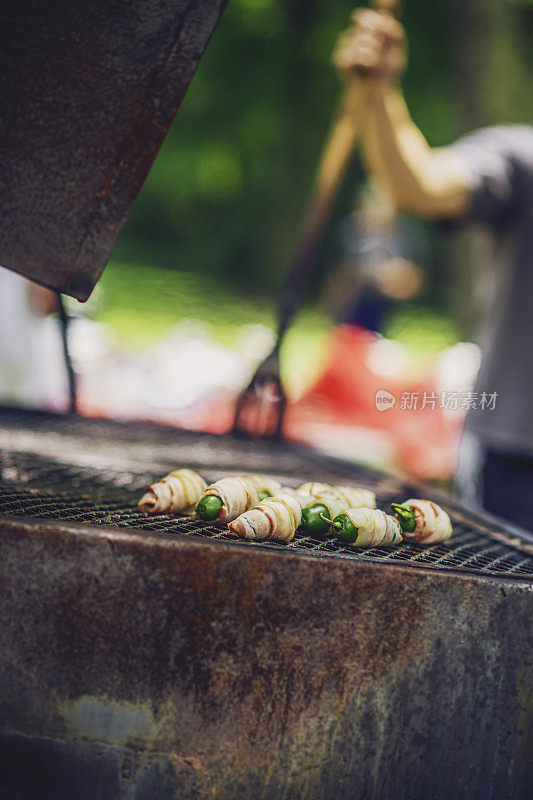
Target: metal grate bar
[33,486]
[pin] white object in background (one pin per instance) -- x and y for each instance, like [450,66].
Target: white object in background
[188,365]
[32,370]
[458,366]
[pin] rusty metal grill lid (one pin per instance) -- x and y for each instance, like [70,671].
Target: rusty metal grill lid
[88,91]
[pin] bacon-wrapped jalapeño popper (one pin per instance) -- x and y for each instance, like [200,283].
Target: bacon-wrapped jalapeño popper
[366,527]
[329,502]
[273,518]
[178,491]
[423,521]
[226,499]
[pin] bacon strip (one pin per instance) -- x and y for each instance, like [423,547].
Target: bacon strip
[432,522]
[274,518]
[346,496]
[376,529]
[177,491]
[240,493]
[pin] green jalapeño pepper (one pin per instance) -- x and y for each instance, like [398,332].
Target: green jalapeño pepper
[343,528]
[208,507]
[313,519]
[405,516]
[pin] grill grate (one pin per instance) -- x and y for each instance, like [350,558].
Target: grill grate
[33,486]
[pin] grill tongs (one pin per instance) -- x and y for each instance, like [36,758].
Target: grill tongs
[261,406]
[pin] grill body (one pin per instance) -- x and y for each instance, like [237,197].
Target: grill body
[164,659]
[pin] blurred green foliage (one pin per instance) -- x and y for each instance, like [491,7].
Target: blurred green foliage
[228,189]
[422,331]
[141,304]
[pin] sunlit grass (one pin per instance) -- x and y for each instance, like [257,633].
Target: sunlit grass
[304,352]
[423,331]
[142,304]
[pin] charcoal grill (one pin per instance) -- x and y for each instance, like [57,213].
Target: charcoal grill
[159,658]
[52,489]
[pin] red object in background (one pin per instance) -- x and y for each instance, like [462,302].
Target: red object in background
[338,412]
[423,438]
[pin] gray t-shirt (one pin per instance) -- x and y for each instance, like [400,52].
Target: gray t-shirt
[500,162]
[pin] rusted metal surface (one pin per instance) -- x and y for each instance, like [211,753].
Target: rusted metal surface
[87,94]
[201,669]
[144,664]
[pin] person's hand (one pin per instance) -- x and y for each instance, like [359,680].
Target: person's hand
[374,49]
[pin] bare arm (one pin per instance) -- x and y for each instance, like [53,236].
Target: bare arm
[430,182]
[424,180]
